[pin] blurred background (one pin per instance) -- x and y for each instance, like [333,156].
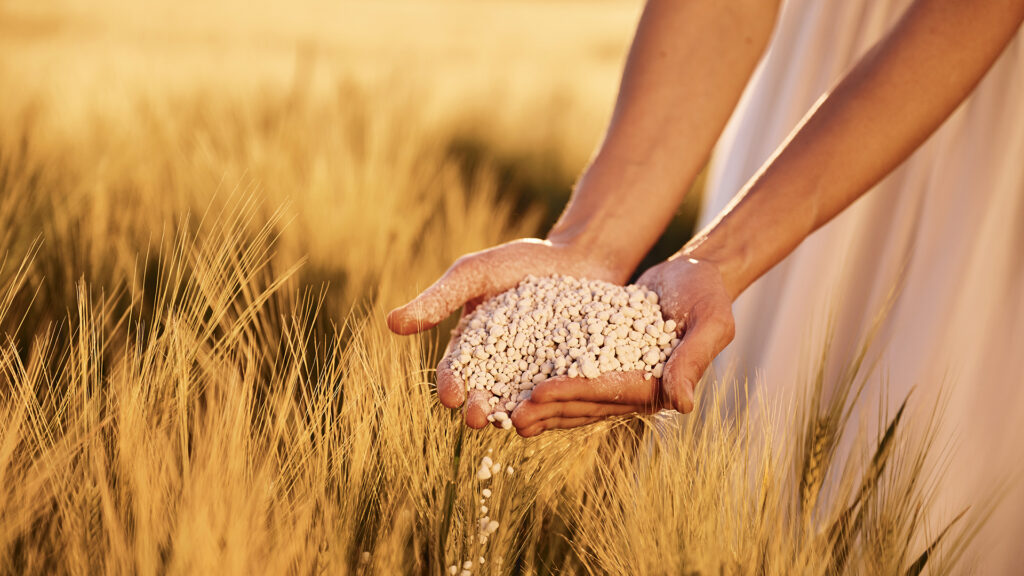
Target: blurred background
[214,202]
[364,119]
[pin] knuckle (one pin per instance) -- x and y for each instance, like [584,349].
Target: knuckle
[531,430]
[541,394]
[682,406]
[522,417]
[519,420]
[695,370]
[721,321]
[728,325]
[461,264]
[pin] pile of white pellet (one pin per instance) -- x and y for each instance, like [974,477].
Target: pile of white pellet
[558,325]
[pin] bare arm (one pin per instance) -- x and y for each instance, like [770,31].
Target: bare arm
[688,65]
[884,108]
[686,70]
[895,97]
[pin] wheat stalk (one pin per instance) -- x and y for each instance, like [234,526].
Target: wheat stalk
[175,399]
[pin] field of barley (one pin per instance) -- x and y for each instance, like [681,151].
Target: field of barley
[205,210]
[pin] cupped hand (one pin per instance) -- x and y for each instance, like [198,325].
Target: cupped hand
[692,293]
[475,277]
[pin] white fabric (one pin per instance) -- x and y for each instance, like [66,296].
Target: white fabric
[953,213]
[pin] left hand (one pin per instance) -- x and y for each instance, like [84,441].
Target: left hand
[692,293]
[475,277]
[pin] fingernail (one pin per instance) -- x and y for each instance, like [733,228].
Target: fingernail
[681,395]
[686,396]
[391,320]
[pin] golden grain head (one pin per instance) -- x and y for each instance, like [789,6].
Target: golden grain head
[195,376]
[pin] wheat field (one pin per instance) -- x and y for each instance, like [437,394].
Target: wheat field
[205,210]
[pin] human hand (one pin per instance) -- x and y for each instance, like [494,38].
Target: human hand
[475,277]
[691,293]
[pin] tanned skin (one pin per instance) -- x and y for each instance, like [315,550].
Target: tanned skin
[687,67]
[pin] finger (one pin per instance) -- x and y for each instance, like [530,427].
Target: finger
[477,409]
[450,390]
[457,286]
[556,423]
[471,305]
[566,423]
[703,340]
[456,334]
[529,413]
[608,388]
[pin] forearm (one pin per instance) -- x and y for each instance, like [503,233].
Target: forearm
[895,97]
[687,67]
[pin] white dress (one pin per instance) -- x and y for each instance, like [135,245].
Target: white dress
[953,214]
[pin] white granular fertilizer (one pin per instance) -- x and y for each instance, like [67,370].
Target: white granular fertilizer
[486,527]
[554,326]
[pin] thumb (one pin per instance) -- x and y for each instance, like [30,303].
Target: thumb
[457,286]
[703,340]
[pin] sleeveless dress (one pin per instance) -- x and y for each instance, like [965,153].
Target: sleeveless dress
[949,221]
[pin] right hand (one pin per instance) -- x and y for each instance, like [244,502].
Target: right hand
[475,277]
[691,292]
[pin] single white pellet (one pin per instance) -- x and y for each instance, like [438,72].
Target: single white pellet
[589,368]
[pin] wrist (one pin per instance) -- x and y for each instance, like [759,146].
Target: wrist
[594,255]
[613,215]
[593,230]
[732,260]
